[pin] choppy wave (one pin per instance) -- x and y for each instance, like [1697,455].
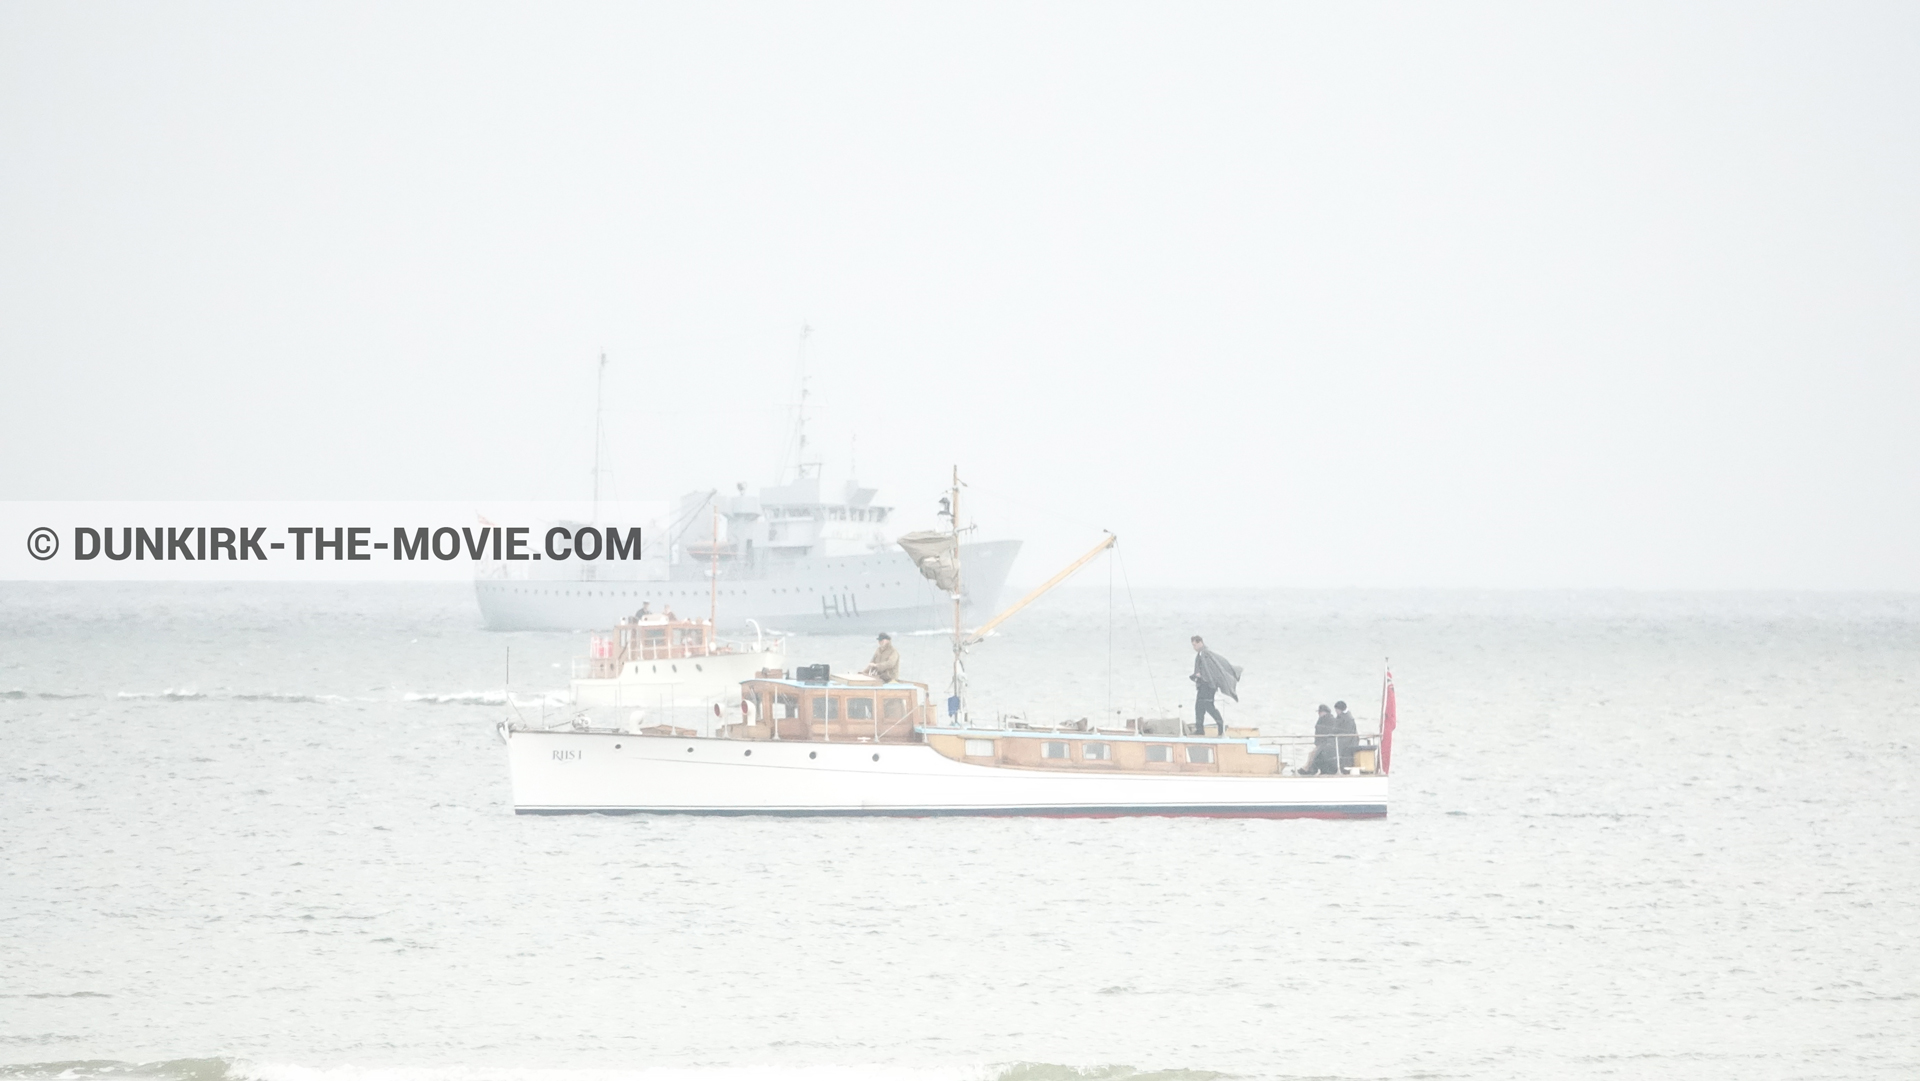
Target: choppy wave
[489,698]
[1047,1071]
[460,698]
[188,694]
[179,1069]
[61,994]
[221,1069]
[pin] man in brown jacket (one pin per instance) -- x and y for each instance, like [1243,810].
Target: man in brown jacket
[886,660]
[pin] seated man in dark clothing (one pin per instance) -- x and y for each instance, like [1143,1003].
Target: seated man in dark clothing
[1332,742]
[1343,725]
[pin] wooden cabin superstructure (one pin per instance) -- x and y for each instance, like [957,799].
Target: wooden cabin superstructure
[845,709]
[833,710]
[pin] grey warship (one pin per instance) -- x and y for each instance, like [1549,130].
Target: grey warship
[786,558]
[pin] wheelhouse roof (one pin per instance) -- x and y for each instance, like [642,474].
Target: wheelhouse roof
[816,686]
[1092,737]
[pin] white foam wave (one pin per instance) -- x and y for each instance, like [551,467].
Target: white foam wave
[289,1072]
[220,1069]
[189,694]
[460,698]
[273,696]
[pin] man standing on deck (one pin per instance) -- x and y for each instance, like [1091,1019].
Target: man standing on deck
[1211,672]
[886,660]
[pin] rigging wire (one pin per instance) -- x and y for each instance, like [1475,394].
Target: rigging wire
[1110,634]
[1139,632]
[690,520]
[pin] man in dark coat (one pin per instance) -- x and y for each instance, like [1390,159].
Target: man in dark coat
[1344,725]
[1332,747]
[1211,673]
[1326,750]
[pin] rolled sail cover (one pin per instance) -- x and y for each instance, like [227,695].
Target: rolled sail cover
[936,555]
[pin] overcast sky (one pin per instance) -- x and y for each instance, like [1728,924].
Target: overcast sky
[1341,294]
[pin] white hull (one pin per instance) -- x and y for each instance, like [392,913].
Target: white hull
[596,772]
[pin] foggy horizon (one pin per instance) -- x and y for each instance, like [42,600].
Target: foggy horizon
[1486,297]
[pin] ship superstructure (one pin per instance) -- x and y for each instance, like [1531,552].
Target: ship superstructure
[792,557]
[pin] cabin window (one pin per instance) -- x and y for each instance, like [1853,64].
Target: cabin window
[859,709]
[1096,752]
[980,748]
[1159,752]
[824,708]
[1053,748]
[893,709]
[1200,755]
[786,707]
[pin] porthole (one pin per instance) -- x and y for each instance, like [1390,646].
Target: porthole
[747,753]
[689,750]
[813,754]
[616,746]
[876,758]
[697,668]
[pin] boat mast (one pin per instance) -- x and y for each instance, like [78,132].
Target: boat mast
[599,399]
[713,575]
[953,511]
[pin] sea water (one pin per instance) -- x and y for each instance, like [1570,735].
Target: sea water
[264,833]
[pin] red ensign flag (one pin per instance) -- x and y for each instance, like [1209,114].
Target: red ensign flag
[1388,717]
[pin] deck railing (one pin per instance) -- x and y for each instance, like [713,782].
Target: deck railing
[607,654]
[1359,752]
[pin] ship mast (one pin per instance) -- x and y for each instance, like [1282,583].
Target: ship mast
[796,448]
[713,575]
[599,400]
[953,519]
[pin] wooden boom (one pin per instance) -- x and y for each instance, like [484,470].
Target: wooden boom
[980,632]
